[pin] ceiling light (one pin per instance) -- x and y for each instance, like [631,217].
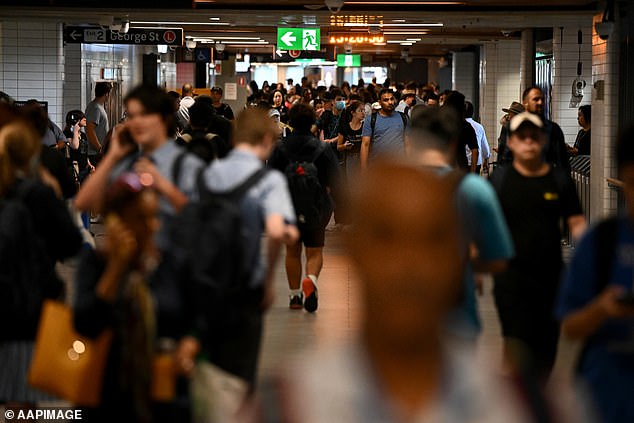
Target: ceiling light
[413,39]
[178,23]
[405,32]
[407,44]
[417,3]
[214,19]
[398,20]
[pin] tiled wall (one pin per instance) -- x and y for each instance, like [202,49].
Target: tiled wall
[566,56]
[605,95]
[464,73]
[32,63]
[499,83]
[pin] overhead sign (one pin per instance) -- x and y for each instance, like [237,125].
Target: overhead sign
[138,36]
[349,60]
[298,38]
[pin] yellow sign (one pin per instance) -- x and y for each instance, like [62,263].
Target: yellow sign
[360,39]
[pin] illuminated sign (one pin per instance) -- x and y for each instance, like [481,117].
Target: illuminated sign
[357,20]
[349,60]
[356,39]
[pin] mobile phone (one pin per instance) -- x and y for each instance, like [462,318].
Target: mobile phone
[125,137]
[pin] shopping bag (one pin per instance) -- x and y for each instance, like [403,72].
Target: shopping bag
[66,364]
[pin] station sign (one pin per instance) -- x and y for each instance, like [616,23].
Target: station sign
[138,36]
[299,39]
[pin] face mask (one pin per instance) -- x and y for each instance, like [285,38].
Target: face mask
[340,105]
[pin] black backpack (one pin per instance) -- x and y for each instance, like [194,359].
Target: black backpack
[307,193]
[27,273]
[202,144]
[209,251]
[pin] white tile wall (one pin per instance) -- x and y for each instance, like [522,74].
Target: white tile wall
[499,83]
[605,68]
[32,63]
[566,56]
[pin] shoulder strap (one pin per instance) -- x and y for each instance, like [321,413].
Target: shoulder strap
[605,248]
[320,149]
[177,167]
[239,191]
[373,124]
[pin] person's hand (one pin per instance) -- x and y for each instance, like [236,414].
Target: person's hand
[608,303]
[76,129]
[121,142]
[185,355]
[121,246]
[291,234]
[145,165]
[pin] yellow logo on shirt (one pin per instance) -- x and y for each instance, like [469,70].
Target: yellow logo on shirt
[551,196]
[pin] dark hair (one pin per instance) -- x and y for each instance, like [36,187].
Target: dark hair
[352,107]
[625,148]
[528,90]
[73,117]
[455,100]
[385,91]
[205,99]
[200,115]
[468,109]
[586,111]
[432,128]
[216,90]
[155,100]
[102,88]
[431,96]
[301,117]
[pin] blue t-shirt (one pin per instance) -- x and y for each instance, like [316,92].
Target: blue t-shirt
[607,364]
[388,134]
[483,225]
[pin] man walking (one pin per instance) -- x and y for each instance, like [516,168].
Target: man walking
[484,152]
[222,109]
[383,131]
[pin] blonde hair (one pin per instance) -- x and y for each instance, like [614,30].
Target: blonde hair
[252,125]
[19,146]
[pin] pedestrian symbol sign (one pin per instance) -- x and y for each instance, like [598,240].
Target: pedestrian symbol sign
[298,38]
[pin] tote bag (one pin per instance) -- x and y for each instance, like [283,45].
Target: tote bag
[66,364]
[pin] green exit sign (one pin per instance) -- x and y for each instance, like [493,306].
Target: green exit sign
[349,60]
[298,38]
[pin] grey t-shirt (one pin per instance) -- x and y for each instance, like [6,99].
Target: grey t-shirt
[388,134]
[269,196]
[164,158]
[95,113]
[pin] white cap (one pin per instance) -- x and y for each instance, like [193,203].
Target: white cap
[524,117]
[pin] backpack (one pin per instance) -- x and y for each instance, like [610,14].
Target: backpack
[373,122]
[202,145]
[209,251]
[309,199]
[27,273]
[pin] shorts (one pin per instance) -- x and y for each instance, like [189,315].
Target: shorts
[312,236]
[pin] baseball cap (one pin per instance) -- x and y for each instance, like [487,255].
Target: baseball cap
[525,118]
[376,105]
[515,107]
[274,112]
[216,89]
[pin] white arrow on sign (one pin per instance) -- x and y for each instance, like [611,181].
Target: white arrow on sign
[74,35]
[280,53]
[288,39]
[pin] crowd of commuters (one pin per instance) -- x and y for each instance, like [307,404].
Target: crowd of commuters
[186,190]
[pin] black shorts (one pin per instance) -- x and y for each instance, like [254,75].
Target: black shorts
[313,236]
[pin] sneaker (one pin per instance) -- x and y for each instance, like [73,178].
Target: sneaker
[296,302]
[310,294]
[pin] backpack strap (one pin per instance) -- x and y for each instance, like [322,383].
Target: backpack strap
[239,191]
[605,248]
[177,167]
[372,124]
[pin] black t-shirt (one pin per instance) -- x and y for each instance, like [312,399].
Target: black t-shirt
[466,138]
[351,135]
[582,143]
[81,154]
[533,208]
[224,110]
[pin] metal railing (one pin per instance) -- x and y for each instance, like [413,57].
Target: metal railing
[580,174]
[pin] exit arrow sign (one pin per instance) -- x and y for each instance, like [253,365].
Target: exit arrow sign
[298,38]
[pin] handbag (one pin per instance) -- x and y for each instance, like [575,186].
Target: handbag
[66,364]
